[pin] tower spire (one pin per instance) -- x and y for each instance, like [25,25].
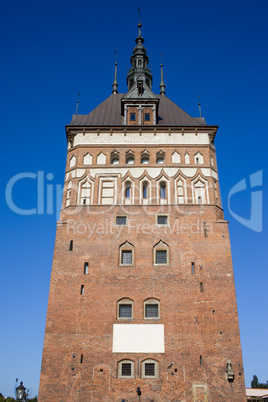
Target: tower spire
[162,84]
[115,83]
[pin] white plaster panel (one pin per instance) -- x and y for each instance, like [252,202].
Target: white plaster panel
[107,192]
[214,174]
[87,159]
[138,338]
[176,157]
[72,161]
[189,172]
[101,159]
[80,172]
[206,171]
[144,138]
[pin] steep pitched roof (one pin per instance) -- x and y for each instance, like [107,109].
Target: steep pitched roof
[108,113]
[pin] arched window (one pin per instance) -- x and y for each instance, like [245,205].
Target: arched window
[163,189]
[145,189]
[149,369]
[125,369]
[115,160]
[128,189]
[200,192]
[151,309]
[125,309]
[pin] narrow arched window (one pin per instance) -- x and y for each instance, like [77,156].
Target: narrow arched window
[145,189]
[145,160]
[162,189]
[128,189]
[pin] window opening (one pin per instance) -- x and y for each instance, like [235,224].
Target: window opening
[71,245]
[201,287]
[126,369]
[162,219]
[147,117]
[125,310]
[161,256]
[127,189]
[149,369]
[130,160]
[160,159]
[82,290]
[151,311]
[193,268]
[121,220]
[145,160]
[132,116]
[126,257]
[81,359]
[145,190]
[86,268]
[162,190]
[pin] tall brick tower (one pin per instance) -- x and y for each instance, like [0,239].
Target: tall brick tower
[142,303]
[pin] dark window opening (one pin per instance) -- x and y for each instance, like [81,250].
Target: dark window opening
[86,268]
[84,201]
[101,370]
[71,245]
[205,233]
[193,268]
[81,359]
[147,116]
[161,257]
[201,287]
[151,310]
[149,369]
[126,369]
[162,220]
[121,220]
[127,190]
[82,290]
[132,116]
[126,257]
[125,310]
[199,200]
[145,190]
[162,190]
[200,360]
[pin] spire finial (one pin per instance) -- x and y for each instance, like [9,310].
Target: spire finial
[115,84]
[139,24]
[162,84]
[77,103]
[199,104]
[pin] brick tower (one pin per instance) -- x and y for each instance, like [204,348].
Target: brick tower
[142,303]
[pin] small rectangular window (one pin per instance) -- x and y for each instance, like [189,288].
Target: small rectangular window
[193,268]
[125,310]
[71,245]
[82,290]
[126,257]
[151,310]
[147,117]
[86,268]
[132,116]
[201,287]
[81,359]
[126,369]
[121,220]
[161,256]
[149,369]
[162,220]
[205,233]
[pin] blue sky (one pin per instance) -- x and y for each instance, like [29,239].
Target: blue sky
[51,51]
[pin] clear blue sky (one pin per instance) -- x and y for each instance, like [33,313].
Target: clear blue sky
[51,50]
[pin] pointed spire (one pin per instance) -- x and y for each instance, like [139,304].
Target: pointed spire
[115,84]
[162,84]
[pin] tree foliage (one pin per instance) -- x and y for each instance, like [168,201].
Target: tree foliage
[256,384]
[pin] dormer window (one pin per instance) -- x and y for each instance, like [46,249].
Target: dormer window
[132,116]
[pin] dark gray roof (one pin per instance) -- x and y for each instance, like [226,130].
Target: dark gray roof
[108,113]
